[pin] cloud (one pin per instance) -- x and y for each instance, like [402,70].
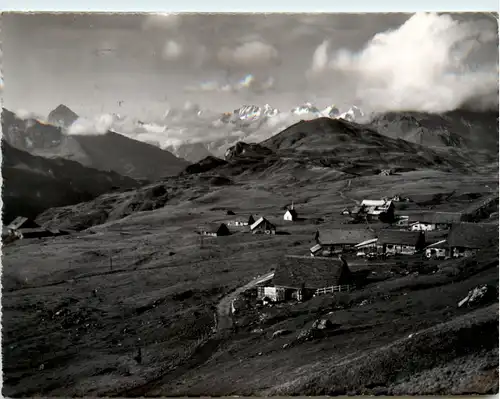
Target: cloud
[253,54]
[248,83]
[172,50]
[320,59]
[94,126]
[423,65]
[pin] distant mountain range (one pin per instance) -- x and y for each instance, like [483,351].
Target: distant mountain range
[110,151]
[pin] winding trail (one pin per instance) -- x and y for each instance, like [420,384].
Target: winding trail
[201,355]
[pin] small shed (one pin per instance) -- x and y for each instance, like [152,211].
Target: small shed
[263,226]
[290,214]
[300,277]
[216,230]
[316,250]
[465,239]
[22,222]
[400,242]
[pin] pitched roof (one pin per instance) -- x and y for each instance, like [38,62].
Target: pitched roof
[21,221]
[316,248]
[473,235]
[344,236]
[214,227]
[313,272]
[398,237]
[437,217]
[259,222]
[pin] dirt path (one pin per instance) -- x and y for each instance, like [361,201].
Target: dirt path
[204,351]
[224,307]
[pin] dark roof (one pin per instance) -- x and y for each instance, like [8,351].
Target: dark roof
[342,236]
[398,237]
[431,237]
[313,272]
[214,227]
[437,217]
[473,235]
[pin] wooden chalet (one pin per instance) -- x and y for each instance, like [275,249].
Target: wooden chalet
[465,239]
[215,230]
[400,242]
[341,240]
[263,226]
[430,221]
[301,277]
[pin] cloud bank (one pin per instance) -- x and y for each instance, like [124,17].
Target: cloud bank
[91,126]
[422,66]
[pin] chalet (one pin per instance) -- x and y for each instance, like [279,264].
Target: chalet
[22,222]
[341,240]
[431,221]
[400,242]
[215,230]
[290,215]
[374,210]
[300,277]
[466,239]
[263,226]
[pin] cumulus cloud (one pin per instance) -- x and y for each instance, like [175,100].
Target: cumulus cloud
[320,59]
[252,54]
[172,50]
[423,65]
[91,126]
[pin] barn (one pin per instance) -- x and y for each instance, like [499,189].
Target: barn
[263,226]
[466,239]
[300,278]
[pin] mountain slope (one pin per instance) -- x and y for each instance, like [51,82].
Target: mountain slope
[113,151]
[461,128]
[32,184]
[340,142]
[110,151]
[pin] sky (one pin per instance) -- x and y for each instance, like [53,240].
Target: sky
[142,64]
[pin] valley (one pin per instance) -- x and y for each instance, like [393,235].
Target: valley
[135,302]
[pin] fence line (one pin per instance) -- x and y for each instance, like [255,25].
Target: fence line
[332,289]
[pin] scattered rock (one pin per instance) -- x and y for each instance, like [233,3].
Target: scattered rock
[322,324]
[477,296]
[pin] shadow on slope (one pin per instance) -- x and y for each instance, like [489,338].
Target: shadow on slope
[33,184]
